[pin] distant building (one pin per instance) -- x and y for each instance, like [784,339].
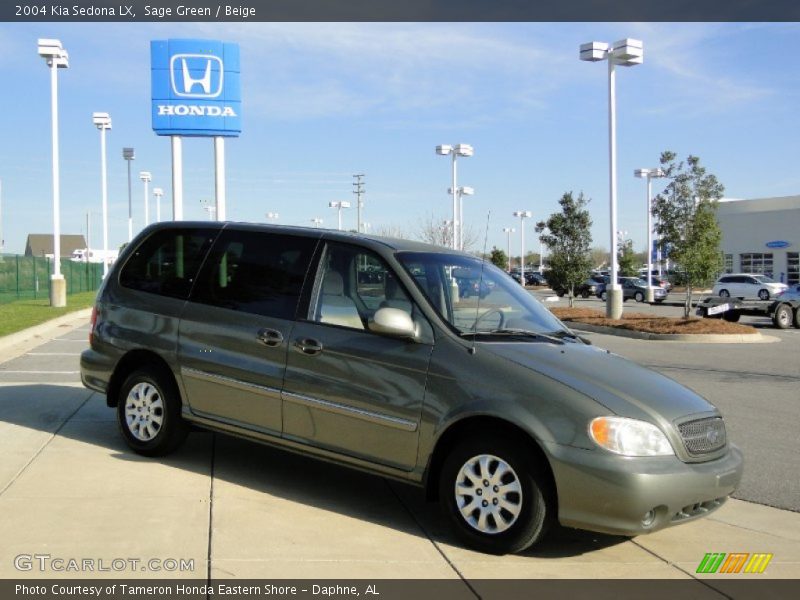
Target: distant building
[41,244]
[762,236]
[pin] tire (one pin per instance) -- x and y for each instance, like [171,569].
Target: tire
[584,294]
[731,316]
[603,296]
[797,317]
[149,412]
[724,294]
[782,319]
[763,294]
[639,297]
[533,504]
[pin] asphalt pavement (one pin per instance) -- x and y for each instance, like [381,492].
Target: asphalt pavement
[69,487]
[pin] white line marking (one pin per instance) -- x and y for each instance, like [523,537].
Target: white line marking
[3,372]
[53,354]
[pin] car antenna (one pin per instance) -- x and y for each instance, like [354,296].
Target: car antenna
[474,347]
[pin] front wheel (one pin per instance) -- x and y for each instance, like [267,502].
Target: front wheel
[724,294]
[639,297]
[497,499]
[603,296]
[763,295]
[149,412]
[783,317]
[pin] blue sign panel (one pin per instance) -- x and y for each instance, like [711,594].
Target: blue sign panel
[778,244]
[196,88]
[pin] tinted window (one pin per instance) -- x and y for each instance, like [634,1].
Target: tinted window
[166,263]
[255,272]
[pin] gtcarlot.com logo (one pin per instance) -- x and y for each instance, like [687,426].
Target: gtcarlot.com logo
[44,563]
[734,562]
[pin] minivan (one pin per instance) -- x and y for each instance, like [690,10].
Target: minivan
[748,286]
[487,401]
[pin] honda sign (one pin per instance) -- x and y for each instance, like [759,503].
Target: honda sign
[196,88]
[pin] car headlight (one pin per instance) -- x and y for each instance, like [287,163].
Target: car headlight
[629,437]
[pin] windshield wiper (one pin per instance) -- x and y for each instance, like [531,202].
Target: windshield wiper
[515,332]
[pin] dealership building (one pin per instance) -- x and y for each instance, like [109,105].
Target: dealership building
[762,236]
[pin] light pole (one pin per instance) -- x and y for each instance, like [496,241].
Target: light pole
[541,254]
[128,155]
[210,208]
[339,205]
[272,216]
[158,192]
[626,53]
[316,221]
[102,121]
[649,174]
[146,178]
[462,191]
[456,151]
[56,58]
[508,231]
[358,184]
[522,214]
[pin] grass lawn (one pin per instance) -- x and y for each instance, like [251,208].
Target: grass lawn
[22,314]
[650,324]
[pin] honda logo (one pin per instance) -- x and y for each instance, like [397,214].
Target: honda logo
[196,75]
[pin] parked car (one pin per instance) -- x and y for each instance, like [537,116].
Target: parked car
[584,289]
[502,413]
[747,286]
[472,287]
[661,282]
[532,278]
[633,288]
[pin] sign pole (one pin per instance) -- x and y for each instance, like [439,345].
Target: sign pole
[219,176]
[177,178]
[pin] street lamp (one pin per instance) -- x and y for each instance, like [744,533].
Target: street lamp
[316,221]
[541,253]
[462,191]
[626,53]
[272,216]
[339,206]
[102,121]
[210,208]
[456,151]
[509,231]
[649,174]
[128,155]
[146,178]
[56,58]
[158,192]
[522,214]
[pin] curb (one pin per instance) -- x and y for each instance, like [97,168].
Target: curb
[20,342]
[697,338]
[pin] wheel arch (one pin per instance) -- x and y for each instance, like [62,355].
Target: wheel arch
[463,427]
[133,360]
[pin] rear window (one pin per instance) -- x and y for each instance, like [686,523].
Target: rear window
[166,263]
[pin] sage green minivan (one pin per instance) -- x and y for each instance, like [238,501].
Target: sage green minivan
[364,351]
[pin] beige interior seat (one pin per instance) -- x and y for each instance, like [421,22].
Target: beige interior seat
[335,307]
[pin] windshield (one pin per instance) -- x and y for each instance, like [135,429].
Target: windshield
[472,303]
[764,279]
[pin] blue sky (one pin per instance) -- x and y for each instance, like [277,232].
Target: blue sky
[324,101]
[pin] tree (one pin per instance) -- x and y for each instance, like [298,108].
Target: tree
[627,259]
[499,258]
[686,216]
[599,257]
[568,241]
[435,230]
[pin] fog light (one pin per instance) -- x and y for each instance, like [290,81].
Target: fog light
[648,518]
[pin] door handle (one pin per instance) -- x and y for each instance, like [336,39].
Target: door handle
[269,337]
[308,346]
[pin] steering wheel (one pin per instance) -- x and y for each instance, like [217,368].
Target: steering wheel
[486,314]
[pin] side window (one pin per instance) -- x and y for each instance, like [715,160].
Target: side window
[166,263]
[355,283]
[256,272]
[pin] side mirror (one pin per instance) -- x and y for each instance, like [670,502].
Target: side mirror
[394,322]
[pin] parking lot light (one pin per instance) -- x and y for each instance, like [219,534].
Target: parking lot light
[649,174]
[158,192]
[522,214]
[508,231]
[455,151]
[625,53]
[102,121]
[316,221]
[146,178]
[339,205]
[272,216]
[128,155]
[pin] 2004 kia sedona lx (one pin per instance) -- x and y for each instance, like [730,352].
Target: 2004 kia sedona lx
[367,352]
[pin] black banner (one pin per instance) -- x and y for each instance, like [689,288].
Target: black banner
[399,10]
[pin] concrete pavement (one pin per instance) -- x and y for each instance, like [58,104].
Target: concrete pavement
[70,488]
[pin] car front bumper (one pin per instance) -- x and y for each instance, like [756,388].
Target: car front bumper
[603,492]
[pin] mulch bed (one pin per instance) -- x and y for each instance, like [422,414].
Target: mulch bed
[651,324]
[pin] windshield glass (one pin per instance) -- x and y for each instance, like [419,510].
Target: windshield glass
[764,279]
[474,304]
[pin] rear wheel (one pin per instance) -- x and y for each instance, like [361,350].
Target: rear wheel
[495,495]
[603,296]
[797,317]
[584,294]
[783,316]
[763,294]
[732,316]
[639,297]
[149,412]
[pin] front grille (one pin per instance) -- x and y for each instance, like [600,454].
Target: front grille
[704,435]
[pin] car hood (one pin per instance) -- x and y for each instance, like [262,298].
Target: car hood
[622,386]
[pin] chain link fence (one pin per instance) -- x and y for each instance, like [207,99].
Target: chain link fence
[24,277]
